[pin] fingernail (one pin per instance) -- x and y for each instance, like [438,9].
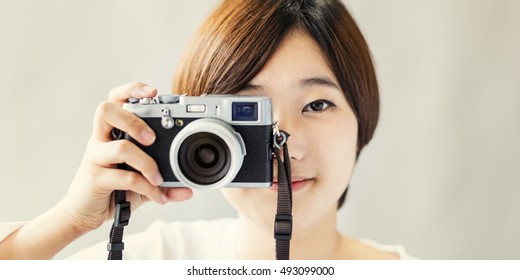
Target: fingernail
[158,179]
[148,89]
[148,136]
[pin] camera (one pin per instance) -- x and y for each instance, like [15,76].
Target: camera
[209,141]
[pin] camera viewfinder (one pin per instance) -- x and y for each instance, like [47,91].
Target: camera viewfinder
[245,111]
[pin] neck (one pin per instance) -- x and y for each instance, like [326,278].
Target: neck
[321,240]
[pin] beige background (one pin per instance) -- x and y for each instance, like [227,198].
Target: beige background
[441,177]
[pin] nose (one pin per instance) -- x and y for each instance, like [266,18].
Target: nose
[296,141]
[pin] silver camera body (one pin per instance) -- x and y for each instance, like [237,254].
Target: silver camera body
[209,141]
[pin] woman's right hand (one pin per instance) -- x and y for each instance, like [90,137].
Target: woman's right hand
[88,202]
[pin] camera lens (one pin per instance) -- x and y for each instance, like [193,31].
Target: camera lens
[204,158]
[207,153]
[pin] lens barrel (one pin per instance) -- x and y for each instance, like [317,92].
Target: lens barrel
[207,153]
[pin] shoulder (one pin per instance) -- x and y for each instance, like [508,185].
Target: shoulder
[368,249]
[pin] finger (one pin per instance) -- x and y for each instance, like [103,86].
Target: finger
[119,179]
[121,94]
[109,116]
[123,151]
[178,194]
[136,199]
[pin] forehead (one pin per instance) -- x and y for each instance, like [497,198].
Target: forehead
[298,55]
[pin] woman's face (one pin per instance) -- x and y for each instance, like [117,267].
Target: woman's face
[309,104]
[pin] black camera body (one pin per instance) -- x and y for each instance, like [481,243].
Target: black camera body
[209,141]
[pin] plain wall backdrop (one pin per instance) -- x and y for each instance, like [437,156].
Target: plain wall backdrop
[441,175]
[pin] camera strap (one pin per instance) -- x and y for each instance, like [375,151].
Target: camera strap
[122,213]
[283,219]
[115,244]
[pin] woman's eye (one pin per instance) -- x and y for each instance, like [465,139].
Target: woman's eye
[318,106]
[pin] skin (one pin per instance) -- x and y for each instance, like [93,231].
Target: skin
[307,103]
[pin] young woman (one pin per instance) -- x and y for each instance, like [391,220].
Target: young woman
[310,58]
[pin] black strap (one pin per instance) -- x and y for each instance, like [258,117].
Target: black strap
[283,220]
[122,211]
[115,244]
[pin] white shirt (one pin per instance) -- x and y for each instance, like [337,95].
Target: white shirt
[194,240]
[197,240]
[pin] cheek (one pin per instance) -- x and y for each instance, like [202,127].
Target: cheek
[334,148]
[334,158]
[344,155]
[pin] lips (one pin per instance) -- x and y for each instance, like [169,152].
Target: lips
[298,183]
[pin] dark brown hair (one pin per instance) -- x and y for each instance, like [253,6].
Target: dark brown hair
[238,39]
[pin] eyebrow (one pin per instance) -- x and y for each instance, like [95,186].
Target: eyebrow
[319,81]
[306,82]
